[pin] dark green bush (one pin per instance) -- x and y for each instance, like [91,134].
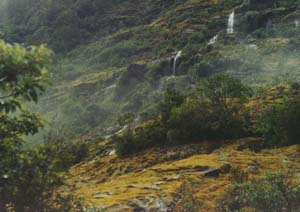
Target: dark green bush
[271,125]
[183,119]
[218,115]
[279,124]
[28,185]
[172,99]
[275,193]
[221,88]
[148,135]
[196,120]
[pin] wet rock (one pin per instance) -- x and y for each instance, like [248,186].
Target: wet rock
[215,172]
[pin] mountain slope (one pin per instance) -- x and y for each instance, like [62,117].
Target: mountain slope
[179,175]
[115,57]
[136,60]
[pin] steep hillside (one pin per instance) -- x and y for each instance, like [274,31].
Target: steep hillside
[116,57]
[162,104]
[174,179]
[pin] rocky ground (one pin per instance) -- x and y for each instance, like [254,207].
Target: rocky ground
[174,179]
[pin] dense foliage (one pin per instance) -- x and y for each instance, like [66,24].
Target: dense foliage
[274,193]
[27,176]
[279,124]
[214,112]
[133,44]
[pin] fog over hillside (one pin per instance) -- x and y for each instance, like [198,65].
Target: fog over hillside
[204,94]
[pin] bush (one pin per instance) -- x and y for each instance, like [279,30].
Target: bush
[150,134]
[189,118]
[275,193]
[30,184]
[187,202]
[172,99]
[271,126]
[196,120]
[221,88]
[279,124]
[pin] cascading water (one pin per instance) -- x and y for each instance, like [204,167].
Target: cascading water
[213,40]
[230,27]
[178,55]
[297,23]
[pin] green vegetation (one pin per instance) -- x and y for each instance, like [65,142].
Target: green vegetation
[214,112]
[217,111]
[275,193]
[279,124]
[136,46]
[113,69]
[27,176]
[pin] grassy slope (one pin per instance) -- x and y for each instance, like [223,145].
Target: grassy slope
[92,72]
[173,177]
[98,41]
[259,55]
[138,181]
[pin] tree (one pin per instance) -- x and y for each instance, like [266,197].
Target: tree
[222,87]
[172,99]
[279,124]
[23,77]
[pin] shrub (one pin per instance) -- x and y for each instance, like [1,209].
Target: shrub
[279,124]
[275,193]
[270,125]
[292,120]
[172,99]
[238,175]
[30,183]
[202,120]
[187,203]
[187,118]
[150,134]
[190,121]
[221,88]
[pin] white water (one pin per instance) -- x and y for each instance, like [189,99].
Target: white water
[178,55]
[297,23]
[230,27]
[213,40]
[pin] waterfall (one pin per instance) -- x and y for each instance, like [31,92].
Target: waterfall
[297,23]
[230,27]
[178,55]
[213,40]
